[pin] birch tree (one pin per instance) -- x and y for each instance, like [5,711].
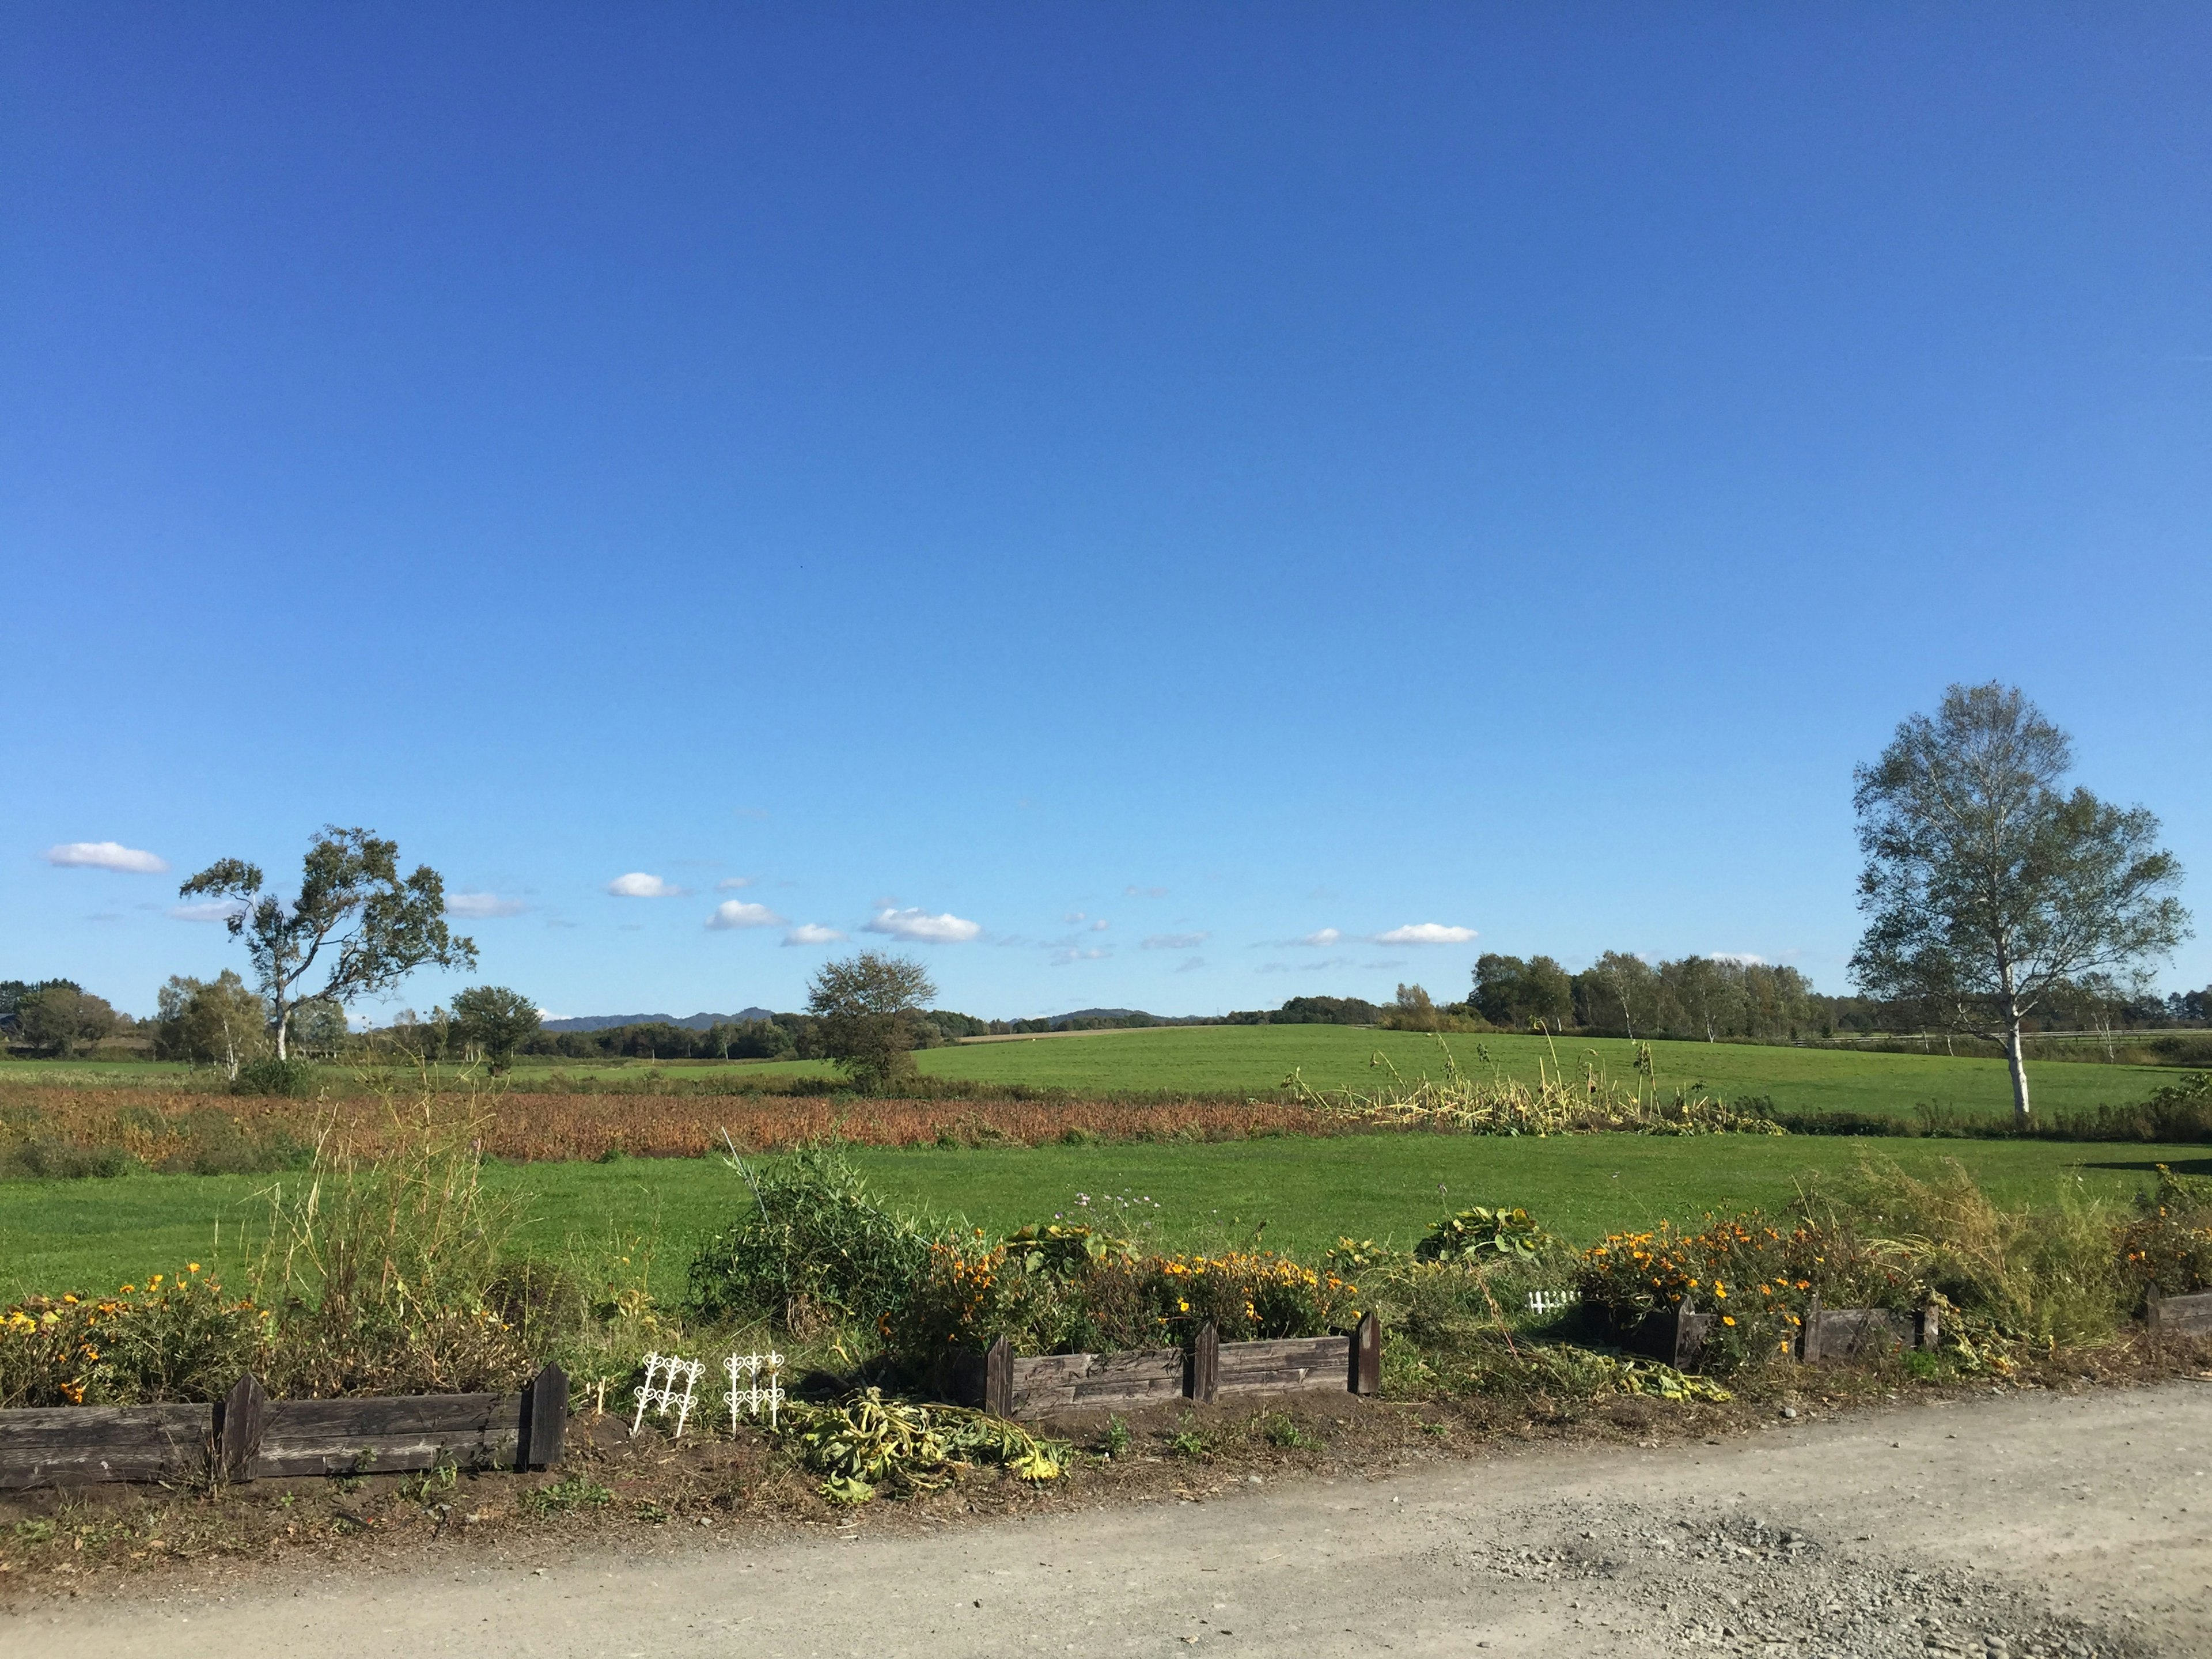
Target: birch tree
[1989,888]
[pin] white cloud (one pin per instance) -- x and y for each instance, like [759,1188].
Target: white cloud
[732,883]
[1073,916]
[736,913]
[1100,925]
[813,933]
[1191,965]
[477,907]
[212,910]
[1066,956]
[1175,941]
[1425,933]
[1145,892]
[105,855]
[922,928]
[638,885]
[1740,959]
[1327,936]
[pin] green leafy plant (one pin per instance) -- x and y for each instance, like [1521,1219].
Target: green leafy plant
[867,1442]
[1114,1443]
[1187,1442]
[810,1245]
[1479,1234]
[570,1492]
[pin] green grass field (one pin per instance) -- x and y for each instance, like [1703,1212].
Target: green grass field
[1237,1058]
[85,1235]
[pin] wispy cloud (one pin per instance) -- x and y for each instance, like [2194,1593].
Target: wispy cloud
[1425,933]
[730,885]
[478,907]
[211,911]
[1322,939]
[1145,892]
[735,913]
[919,927]
[1740,959]
[1175,941]
[638,885]
[1191,965]
[1065,957]
[1328,964]
[105,855]
[813,933]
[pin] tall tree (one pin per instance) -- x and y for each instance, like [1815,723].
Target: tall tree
[59,1019]
[354,914]
[216,1020]
[864,1009]
[494,1021]
[1988,889]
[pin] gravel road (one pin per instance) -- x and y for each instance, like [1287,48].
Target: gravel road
[2026,1525]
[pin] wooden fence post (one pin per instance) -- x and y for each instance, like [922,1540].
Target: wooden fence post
[999,1379]
[238,1428]
[545,1419]
[1931,1327]
[1808,1341]
[1206,1364]
[2151,1310]
[1367,1355]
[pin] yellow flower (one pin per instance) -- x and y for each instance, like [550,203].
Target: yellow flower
[1727,1319]
[193,1266]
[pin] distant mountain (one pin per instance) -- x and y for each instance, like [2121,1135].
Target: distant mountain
[1059,1020]
[690,1022]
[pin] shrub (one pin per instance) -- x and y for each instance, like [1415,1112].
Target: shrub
[973,1292]
[271,1076]
[2168,1245]
[811,1245]
[1756,1275]
[178,1339]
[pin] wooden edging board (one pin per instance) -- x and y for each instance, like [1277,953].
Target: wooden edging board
[1012,1385]
[249,1436]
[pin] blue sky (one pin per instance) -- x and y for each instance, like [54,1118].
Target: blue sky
[1127,488]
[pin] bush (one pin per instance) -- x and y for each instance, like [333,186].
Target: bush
[271,1076]
[2168,1245]
[175,1340]
[812,1246]
[972,1292]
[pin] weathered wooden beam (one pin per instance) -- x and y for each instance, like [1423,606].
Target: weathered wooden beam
[1205,1363]
[1366,1376]
[80,1445]
[999,1379]
[239,1423]
[545,1419]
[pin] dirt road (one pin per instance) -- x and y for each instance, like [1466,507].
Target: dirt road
[2025,1525]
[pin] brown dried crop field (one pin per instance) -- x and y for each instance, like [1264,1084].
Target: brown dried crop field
[172,1130]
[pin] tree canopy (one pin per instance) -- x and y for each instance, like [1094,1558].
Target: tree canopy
[1990,890]
[495,1021]
[865,1009]
[354,914]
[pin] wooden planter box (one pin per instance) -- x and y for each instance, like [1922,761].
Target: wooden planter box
[247,1436]
[1009,1386]
[1678,1336]
[2179,1316]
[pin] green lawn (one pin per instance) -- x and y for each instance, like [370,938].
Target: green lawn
[1208,1058]
[57,1235]
[1217,1059]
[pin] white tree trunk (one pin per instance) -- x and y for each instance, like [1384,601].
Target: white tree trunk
[2018,1061]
